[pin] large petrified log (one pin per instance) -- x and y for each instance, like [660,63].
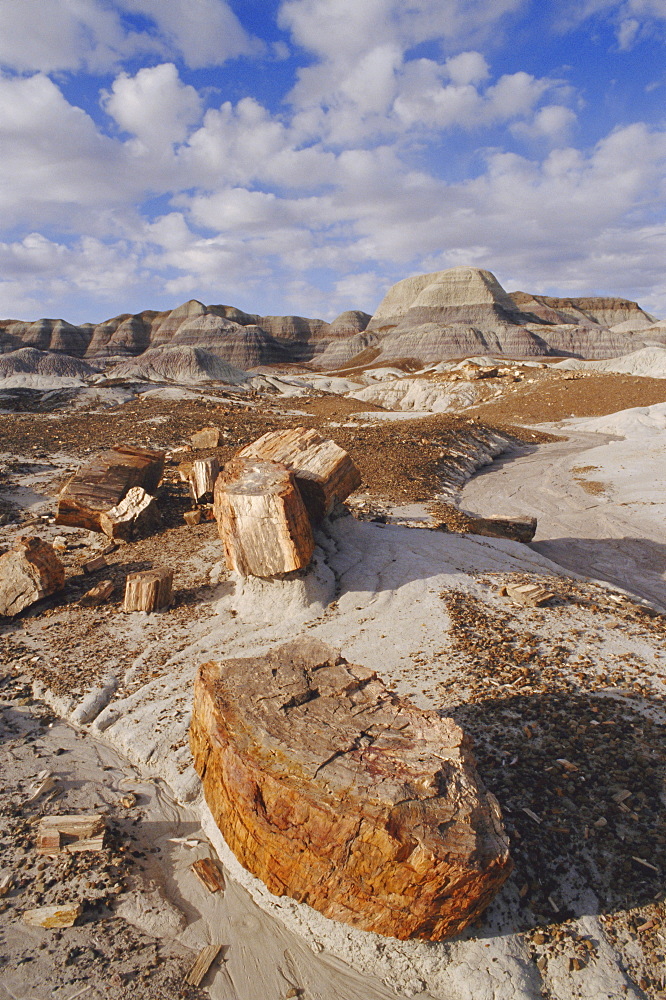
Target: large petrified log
[324,472]
[339,794]
[262,519]
[103,482]
[29,571]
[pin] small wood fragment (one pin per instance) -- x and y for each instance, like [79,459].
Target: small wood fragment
[208,874]
[64,915]
[148,590]
[192,517]
[6,882]
[97,595]
[527,593]
[56,834]
[44,782]
[207,437]
[93,565]
[205,959]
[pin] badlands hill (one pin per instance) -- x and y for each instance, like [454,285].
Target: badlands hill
[454,313]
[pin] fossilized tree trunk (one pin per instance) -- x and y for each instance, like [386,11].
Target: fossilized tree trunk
[262,519]
[335,792]
[202,477]
[136,514]
[148,590]
[324,472]
[29,571]
[103,482]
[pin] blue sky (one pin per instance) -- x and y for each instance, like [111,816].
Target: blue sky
[301,156]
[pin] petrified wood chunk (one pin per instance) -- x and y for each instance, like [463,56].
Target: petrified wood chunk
[262,519]
[339,794]
[29,571]
[207,437]
[148,590]
[324,472]
[103,482]
[519,529]
[202,477]
[136,514]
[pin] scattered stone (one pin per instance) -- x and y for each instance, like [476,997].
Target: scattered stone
[202,477]
[324,472]
[527,593]
[192,517]
[103,482]
[148,590]
[97,595]
[208,874]
[136,514]
[335,792]
[205,959]
[207,437]
[64,915]
[28,572]
[70,834]
[6,882]
[262,519]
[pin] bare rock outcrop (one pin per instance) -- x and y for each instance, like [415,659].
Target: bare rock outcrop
[262,519]
[102,483]
[324,472]
[339,794]
[28,572]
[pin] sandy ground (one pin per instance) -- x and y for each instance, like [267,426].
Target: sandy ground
[599,498]
[582,680]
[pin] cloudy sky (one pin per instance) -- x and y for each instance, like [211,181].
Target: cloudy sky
[299,156]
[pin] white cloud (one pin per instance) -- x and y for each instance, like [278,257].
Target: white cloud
[51,35]
[467,67]
[155,106]
[55,165]
[204,32]
[633,19]
[553,122]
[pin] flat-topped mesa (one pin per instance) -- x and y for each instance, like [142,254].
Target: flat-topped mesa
[104,481]
[324,472]
[337,793]
[261,519]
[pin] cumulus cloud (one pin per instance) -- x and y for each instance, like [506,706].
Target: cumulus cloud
[55,165]
[154,105]
[52,35]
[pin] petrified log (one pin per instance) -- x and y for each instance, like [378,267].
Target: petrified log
[97,595]
[519,529]
[71,833]
[202,477]
[324,472]
[136,514]
[262,519]
[341,795]
[62,915]
[207,437]
[103,482]
[28,571]
[148,590]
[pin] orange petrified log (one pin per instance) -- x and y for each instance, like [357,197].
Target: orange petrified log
[262,519]
[324,472]
[103,482]
[339,794]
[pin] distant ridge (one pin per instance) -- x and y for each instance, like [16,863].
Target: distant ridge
[453,313]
